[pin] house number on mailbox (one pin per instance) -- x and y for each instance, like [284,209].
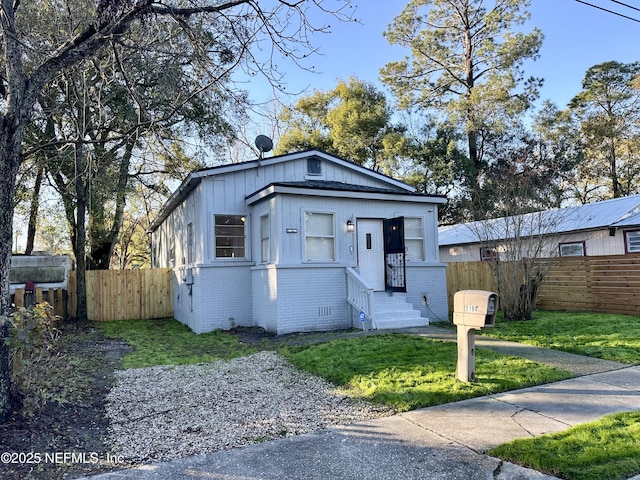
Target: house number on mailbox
[471,308]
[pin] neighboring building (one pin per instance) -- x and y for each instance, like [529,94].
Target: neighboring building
[300,242]
[610,227]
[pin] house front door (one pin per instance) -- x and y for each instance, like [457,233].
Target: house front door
[371,252]
[394,254]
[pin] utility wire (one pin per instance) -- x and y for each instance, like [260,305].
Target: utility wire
[626,5]
[611,11]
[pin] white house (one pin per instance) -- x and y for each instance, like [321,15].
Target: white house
[610,227]
[300,242]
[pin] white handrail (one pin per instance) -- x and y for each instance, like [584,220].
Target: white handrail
[360,294]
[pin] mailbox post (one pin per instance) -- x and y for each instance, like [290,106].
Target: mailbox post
[472,310]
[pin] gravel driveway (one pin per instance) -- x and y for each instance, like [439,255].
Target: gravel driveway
[162,413]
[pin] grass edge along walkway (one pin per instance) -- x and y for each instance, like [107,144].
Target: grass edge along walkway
[608,448]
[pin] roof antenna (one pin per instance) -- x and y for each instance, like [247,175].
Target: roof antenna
[264,144]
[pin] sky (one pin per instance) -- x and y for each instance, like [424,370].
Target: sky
[576,37]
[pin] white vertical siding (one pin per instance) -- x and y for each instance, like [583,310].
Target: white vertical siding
[287,294]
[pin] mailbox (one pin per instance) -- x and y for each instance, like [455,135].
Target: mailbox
[472,310]
[475,308]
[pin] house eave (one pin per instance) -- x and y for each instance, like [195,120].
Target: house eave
[344,193]
[186,187]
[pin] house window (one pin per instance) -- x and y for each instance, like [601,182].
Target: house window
[488,254]
[414,238]
[573,249]
[319,237]
[172,251]
[230,235]
[265,242]
[190,243]
[314,167]
[632,241]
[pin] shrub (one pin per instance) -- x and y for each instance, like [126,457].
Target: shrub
[34,349]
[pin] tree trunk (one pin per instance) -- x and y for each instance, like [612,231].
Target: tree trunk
[10,154]
[102,241]
[475,191]
[613,169]
[33,212]
[79,248]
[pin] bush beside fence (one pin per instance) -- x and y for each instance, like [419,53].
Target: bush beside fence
[56,297]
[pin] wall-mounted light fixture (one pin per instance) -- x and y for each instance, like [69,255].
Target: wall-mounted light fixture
[350,225]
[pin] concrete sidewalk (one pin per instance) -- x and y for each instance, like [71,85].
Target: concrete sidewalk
[576,364]
[444,442]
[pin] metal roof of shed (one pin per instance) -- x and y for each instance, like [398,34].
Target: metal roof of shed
[616,213]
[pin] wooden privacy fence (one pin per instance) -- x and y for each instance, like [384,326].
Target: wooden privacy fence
[608,284]
[128,294]
[56,297]
[111,295]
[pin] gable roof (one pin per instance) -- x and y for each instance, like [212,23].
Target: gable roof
[195,178]
[616,213]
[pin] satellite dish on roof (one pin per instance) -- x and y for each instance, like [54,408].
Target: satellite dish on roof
[264,144]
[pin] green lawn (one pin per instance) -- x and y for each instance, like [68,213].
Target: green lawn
[409,372]
[169,342]
[608,449]
[606,336]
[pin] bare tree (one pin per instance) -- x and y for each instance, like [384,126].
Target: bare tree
[31,61]
[521,249]
[522,245]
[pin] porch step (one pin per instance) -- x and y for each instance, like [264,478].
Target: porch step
[393,311]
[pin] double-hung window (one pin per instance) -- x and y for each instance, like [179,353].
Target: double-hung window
[319,230]
[190,243]
[172,251]
[414,238]
[230,233]
[632,241]
[265,241]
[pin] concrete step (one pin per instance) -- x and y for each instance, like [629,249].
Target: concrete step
[405,311]
[393,311]
[389,324]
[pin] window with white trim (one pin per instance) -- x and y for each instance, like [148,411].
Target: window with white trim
[230,233]
[314,166]
[190,243]
[572,249]
[265,239]
[319,231]
[172,251]
[488,254]
[414,238]
[632,241]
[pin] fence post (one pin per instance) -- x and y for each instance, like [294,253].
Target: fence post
[18,298]
[59,309]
